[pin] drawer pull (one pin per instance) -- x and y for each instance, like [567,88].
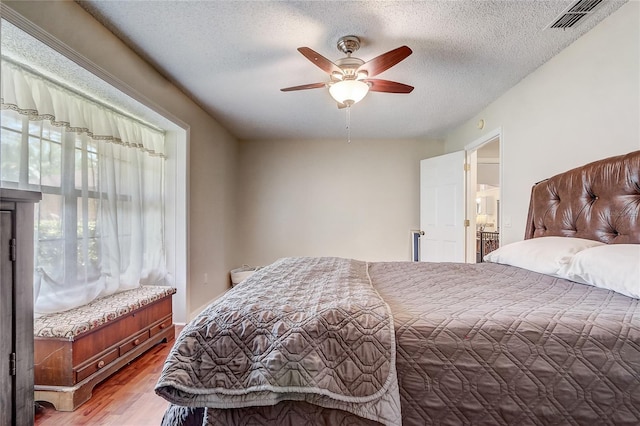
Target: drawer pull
[101,364]
[162,326]
[136,342]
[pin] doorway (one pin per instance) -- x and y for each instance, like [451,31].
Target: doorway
[484,195]
[460,202]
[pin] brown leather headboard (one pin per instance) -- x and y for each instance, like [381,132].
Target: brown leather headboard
[598,201]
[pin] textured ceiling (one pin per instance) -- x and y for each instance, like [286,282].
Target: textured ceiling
[232,57]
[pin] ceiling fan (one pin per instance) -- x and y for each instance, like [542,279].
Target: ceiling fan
[350,77]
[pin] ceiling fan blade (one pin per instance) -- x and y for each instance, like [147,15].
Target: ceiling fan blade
[376,85]
[385,61]
[320,61]
[304,87]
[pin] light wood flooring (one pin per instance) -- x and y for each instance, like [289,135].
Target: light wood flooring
[124,399]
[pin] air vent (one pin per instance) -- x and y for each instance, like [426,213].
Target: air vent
[575,13]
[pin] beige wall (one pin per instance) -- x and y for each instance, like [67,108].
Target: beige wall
[329,198]
[582,105]
[212,150]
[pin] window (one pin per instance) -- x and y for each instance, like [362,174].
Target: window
[100,224]
[62,165]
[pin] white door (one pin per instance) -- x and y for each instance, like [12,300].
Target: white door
[442,208]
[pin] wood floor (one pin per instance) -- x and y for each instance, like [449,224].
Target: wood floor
[125,399]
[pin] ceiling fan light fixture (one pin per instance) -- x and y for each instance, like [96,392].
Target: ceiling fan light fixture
[349,92]
[350,77]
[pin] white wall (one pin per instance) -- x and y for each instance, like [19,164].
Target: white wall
[212,150]
[329,198]
[582,105]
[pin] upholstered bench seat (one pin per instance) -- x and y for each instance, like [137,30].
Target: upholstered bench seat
[77,349]
[72,323]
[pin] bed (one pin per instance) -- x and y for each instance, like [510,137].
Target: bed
[547,331]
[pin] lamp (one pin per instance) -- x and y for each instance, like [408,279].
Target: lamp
[481,222]
[348,92]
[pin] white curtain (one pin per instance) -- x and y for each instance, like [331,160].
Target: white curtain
[99,227]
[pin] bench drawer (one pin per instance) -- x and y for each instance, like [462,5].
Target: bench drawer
[134,342]
[88,369]
[166,323]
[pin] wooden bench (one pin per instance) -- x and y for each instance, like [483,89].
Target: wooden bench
[77,349]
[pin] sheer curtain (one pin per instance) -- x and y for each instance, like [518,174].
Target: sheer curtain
[99,226]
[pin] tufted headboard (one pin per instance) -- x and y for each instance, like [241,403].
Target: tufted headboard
[598,201]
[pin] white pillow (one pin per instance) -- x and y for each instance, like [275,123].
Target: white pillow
[614,267]
[546,255]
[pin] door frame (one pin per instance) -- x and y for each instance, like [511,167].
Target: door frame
[470,202]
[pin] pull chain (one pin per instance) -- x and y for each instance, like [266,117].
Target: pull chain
[348,124]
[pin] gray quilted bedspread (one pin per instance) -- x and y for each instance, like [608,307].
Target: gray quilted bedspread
[301,329]
[491,344]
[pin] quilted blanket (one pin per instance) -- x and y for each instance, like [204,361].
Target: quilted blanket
[301,329]
[491,344]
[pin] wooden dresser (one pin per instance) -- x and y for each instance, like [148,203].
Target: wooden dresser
[16,306]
